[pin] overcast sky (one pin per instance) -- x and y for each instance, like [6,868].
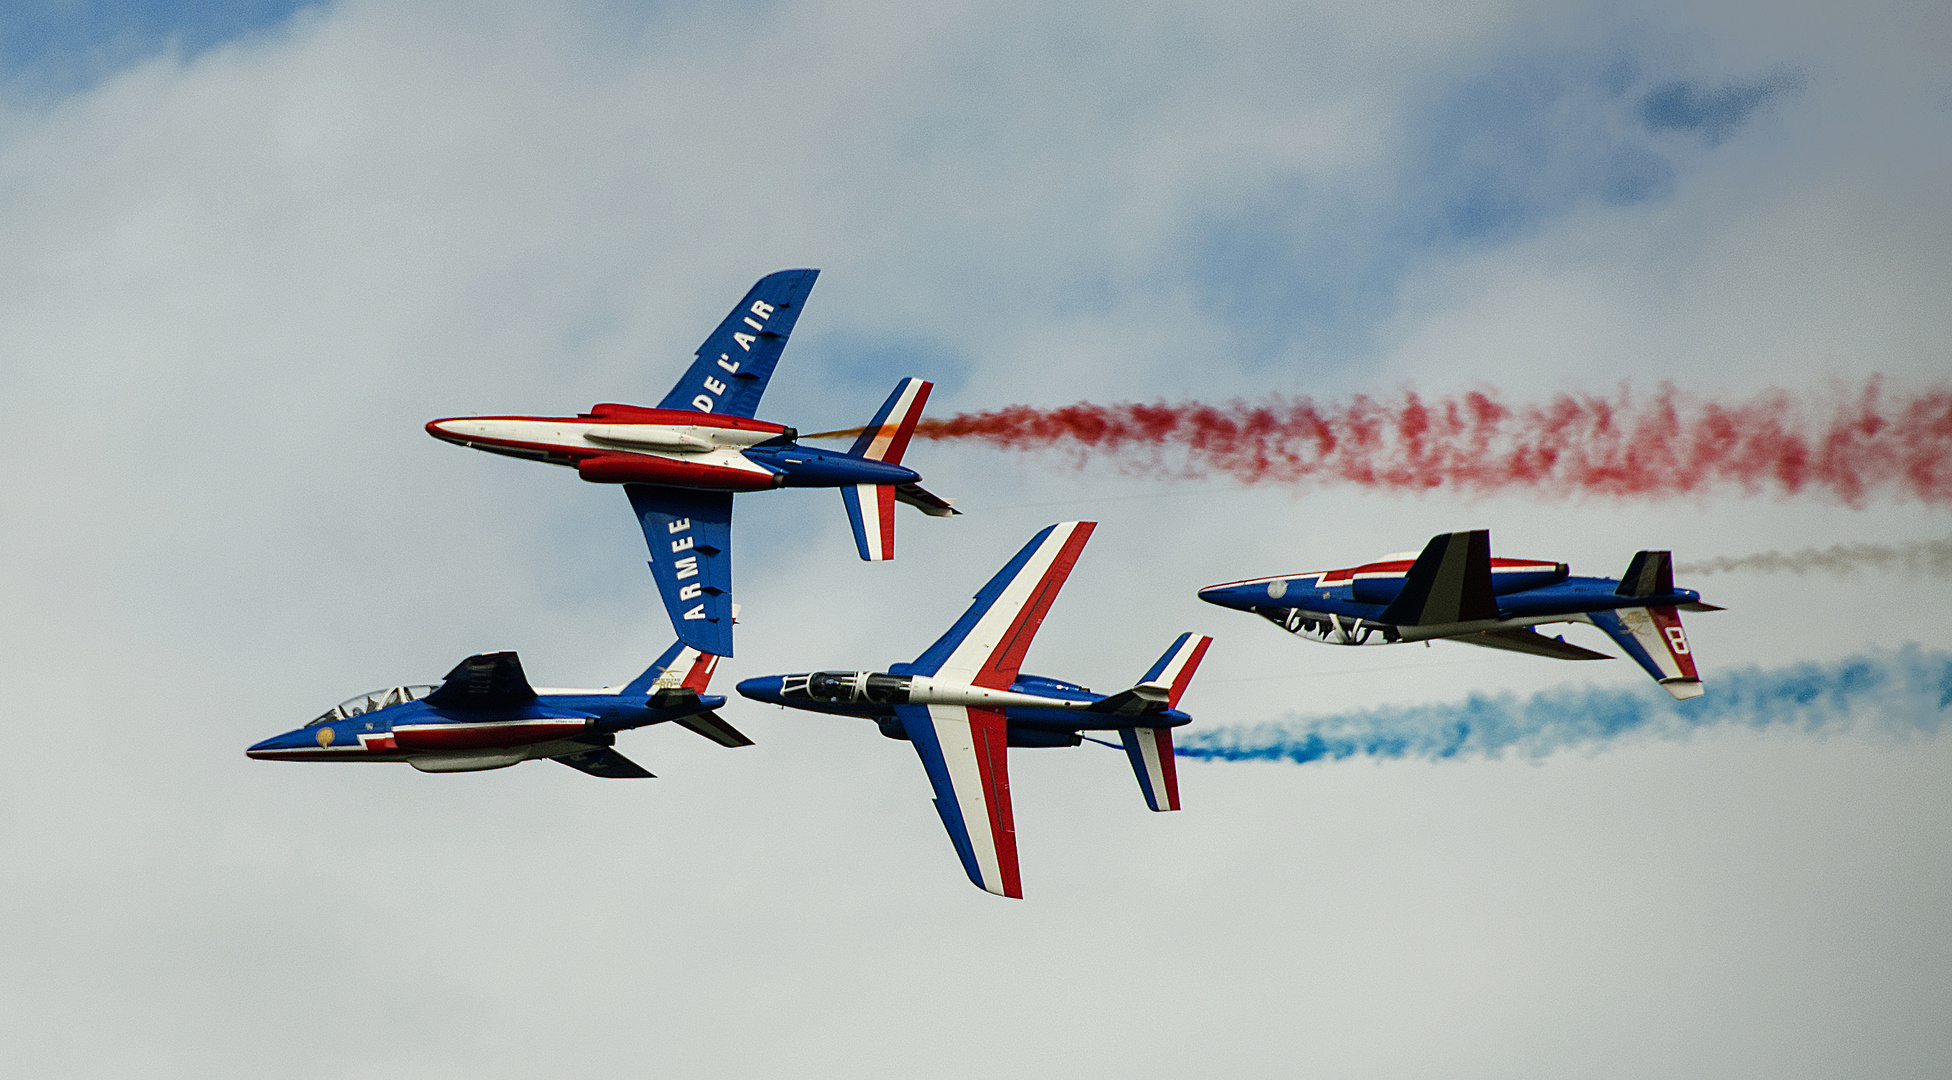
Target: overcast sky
[249,252]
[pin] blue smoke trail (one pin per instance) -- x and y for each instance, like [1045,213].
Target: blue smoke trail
[1903,692]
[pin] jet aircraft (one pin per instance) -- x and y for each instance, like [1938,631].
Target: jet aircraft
[964,702]
[1455,591]
[485,715]
[681,462]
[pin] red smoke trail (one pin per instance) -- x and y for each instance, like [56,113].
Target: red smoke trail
[1847,445]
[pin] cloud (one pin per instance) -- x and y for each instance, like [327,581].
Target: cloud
[1906,692]
[1479,161]
[1716,114]
[48,49]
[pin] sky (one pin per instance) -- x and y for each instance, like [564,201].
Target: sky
[252,248]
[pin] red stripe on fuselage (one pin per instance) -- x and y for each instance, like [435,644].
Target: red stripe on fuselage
[484,736]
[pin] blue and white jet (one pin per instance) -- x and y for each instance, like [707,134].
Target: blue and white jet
[963,703]
[1455,591]
[681,462]
[485,715]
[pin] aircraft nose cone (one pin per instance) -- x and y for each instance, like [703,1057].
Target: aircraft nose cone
[1242,596]
[276,742]
[443,430]
[762,688]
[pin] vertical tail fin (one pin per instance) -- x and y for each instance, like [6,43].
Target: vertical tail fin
[1175,669]
[680,668]
[1150,749]
[871,507]
[885,438]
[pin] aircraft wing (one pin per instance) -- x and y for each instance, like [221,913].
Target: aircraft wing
[736,362]
[986,646]
[965,752]
[713,727]
[690,538]
[1519,639]
[485,681]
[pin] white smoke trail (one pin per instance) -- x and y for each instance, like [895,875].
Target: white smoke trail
[1924,557]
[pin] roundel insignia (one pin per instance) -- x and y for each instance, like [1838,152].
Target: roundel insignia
[1277,589]
[326,735]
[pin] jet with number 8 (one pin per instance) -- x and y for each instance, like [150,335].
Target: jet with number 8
[1455,591]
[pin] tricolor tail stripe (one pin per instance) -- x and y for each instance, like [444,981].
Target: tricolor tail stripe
[1151,753]
[886,437]
[1174,671]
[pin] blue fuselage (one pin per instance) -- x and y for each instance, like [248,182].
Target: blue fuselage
[1359,604]
[406,730]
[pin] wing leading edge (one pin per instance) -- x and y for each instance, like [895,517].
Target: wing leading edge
[736,362]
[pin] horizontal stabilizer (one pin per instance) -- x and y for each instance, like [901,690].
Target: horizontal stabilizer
[1449,583]
[1530,641]
[1151,753]
[927,502]
[871,513]
[1138,701]
[1699,606]
[486,681]
[607,763]
[713,727]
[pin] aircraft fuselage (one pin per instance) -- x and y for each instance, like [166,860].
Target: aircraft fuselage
[1038,711]
[432,739]
[1344,607]
[626,444]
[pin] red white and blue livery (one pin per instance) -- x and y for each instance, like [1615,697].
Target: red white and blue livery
[681,462]
[964,703]
[485,715]
[1455,591]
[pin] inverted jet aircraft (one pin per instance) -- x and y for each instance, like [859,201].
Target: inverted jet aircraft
[1455,591]
[485,715]
[963,703]
[681,462]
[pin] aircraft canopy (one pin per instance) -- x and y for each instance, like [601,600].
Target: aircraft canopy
[377,699]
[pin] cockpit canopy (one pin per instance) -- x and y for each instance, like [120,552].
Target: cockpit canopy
[378,699]
[848,687]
